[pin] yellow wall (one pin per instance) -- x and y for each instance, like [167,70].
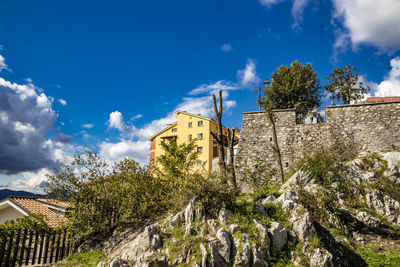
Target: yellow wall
[182,133]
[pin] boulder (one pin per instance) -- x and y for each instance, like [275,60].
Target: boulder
[321,258]
[204,256]
[259,207]
[302,224]
[177,219]
[269,199]
[147,240]
[278,235]
[299,178]
[288,205]
[116,263]
[190,211]
[263,234]
[226,245]
[216,258]
[369,220]
[288,195]
[259,256]
[242,252]
[393,160]
[233,228]
[224,215]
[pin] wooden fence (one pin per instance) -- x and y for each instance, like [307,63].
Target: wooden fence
[24,247]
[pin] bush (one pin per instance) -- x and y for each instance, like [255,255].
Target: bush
[260,177]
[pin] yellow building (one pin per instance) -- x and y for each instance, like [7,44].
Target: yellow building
[186,128]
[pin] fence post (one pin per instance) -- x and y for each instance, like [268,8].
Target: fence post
[35,247]
[46,247]
[28,251]
[41,248]
[9,248]
[21,255]
[63,244]
[3,247]
[52,247]
[58,247]
[16,247]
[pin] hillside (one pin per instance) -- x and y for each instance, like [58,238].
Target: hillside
[328,213]
[7,192]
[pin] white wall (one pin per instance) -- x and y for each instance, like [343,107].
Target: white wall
[9,213]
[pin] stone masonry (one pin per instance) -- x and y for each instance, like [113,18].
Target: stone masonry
[369,127]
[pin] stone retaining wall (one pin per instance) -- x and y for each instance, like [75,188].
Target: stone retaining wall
[372,127]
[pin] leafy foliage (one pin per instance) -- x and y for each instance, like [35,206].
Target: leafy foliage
[260,177]
[85,259]
[344,85]
[295,86]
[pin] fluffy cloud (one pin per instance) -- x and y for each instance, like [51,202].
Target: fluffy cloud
[248,76]
[138,150]
[269,3]
[390,86]
[226,47]
[369,22]
[62,102]
[26,116]
[63,138]
[214,87]
[3,65]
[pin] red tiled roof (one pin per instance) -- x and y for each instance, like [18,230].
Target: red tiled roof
[56,202]
[32,206]
[383,99]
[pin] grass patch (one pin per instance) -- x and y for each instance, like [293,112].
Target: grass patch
[375,256]
[85,259]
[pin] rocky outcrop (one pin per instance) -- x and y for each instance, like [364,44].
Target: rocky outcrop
[278,235]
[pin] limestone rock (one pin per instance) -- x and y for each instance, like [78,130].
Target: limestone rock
[102,264]
[116,263]
[147,240]
[321,258]
[216,258]
[259,256]
[263,233]
[259,207]
[243,252]
[233,228]
[369,220]
[292,236]
[204,256]
[278,235]
[288,195]
[177,219]
[288,205]
[299,178]
[190,211]
[226,245]
[224,215]
[393,160]
[302,224]
[269,199]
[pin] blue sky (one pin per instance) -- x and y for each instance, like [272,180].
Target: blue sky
[109,74]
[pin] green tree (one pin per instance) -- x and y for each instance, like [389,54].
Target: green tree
[295,86]
[344,85]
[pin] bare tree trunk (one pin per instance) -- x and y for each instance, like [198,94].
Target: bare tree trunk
[220,140]
[277,152]
[231,139]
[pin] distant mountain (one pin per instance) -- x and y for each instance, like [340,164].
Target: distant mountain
[6,192]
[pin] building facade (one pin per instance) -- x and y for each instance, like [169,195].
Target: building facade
[186,128]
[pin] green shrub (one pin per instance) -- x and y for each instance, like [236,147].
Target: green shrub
[85,259]
[375,256]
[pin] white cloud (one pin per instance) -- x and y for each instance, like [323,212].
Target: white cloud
[248,76]
[390,86]
[28,80]
[3,65]
[138,150]
[26,117]
[88,125]
[369,22]
[226,47]
[214,87]
[62,102]
[297,11]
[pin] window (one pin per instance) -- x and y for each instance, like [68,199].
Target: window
[200,123]
[189,137]
[174,130]
[190,125]
[200,136]
[199,163]
[200,149]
